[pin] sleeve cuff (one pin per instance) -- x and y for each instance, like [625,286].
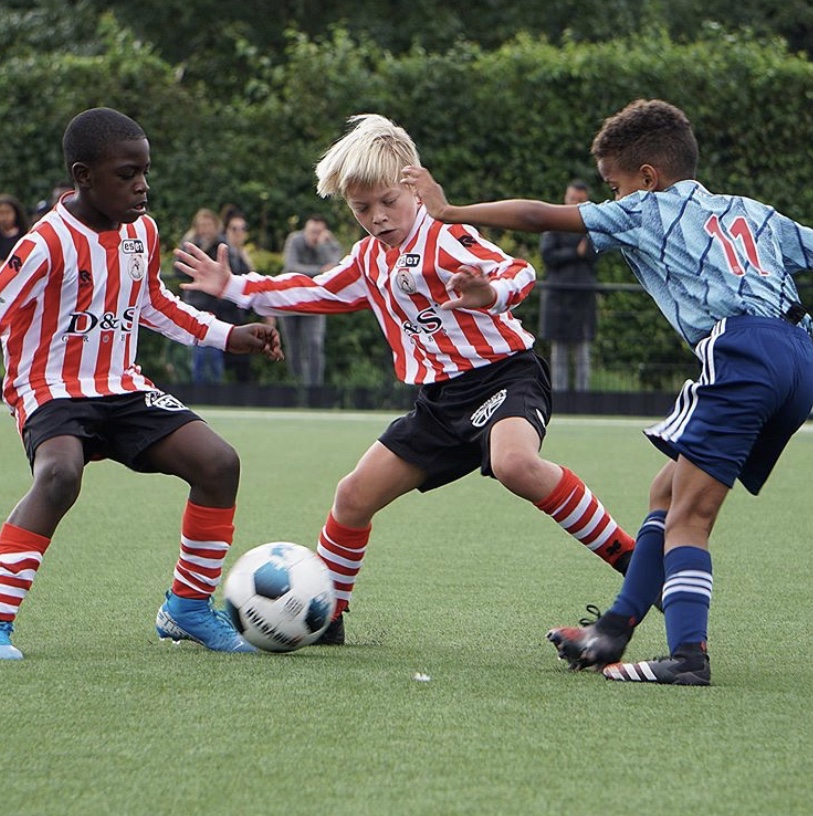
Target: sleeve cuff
[234,292]
[498,307]
[217,335]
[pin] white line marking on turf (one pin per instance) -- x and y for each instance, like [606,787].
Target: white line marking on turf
[271,414]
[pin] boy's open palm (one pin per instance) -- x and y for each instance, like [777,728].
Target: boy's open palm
[470,288]
[207,275]
[212,277]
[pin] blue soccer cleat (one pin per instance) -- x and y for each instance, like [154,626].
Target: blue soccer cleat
[196,620]
[7,651]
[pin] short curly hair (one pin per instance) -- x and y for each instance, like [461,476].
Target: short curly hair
[649,131]
[92,133]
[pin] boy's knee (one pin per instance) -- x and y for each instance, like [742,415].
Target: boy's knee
[350,498]
[225,462]
[218,469]
[699,513]
[345,490]
[515,471]
[60,480]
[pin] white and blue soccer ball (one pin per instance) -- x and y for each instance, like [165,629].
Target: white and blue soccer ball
[279,596]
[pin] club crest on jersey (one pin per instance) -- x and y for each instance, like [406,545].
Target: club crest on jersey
[403,277]
[166,402]
[136,267]
[406,282]
[487,409]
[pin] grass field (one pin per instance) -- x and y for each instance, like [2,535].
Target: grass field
[459,584]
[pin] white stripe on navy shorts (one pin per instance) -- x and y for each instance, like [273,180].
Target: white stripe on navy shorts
[754,391]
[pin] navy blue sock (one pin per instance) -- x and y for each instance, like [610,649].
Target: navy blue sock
[687,595]
[644,579]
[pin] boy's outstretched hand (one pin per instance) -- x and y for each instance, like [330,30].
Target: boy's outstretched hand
[427,189]
[207,275]
[470,289]
[256,338]
[212,277]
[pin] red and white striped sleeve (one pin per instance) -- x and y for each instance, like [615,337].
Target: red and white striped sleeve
[341,289]
[23,276]
[166,313]
[512,278]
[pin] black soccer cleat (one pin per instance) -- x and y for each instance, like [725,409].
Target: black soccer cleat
[688,666]
[334,634]
[592,645]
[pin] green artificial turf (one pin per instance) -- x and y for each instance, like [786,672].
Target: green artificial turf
[459,586]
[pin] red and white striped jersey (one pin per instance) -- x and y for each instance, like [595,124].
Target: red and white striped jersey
[71,301]
[404,288]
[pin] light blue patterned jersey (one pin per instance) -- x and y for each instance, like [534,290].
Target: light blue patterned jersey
[703,257]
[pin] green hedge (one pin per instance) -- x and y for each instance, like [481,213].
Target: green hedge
[517,121]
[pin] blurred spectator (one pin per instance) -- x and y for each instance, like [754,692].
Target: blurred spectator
[308,251]
[235,228]
[206,232]
[47,204]
[568,309]
[13,223]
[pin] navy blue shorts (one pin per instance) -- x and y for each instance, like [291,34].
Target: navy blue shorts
[754,391]
[447,433]
[120,427]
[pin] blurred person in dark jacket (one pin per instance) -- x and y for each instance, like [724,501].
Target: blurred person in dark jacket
[568,310]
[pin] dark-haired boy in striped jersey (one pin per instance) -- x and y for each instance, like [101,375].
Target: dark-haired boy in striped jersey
[73,293]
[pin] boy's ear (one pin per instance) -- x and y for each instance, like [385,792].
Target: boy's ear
[81,174]
[650,178]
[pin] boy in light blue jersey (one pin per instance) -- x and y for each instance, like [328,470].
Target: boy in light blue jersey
[720,268]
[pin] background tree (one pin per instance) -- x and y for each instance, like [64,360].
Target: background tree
[513,120]
[211,41]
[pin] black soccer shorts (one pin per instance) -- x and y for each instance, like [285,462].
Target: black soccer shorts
[447,432]
[119,427]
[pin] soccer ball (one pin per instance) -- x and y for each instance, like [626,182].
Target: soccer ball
[279,596]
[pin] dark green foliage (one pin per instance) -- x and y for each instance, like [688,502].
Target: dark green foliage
[512,122]
[199,35]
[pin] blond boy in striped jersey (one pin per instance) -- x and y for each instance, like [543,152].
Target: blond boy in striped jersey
[442,296]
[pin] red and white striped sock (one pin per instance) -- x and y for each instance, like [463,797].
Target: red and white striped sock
[575,509]
[342,549]
[21,554]
[206,535]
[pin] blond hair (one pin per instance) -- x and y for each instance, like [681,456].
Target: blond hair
[372,153]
